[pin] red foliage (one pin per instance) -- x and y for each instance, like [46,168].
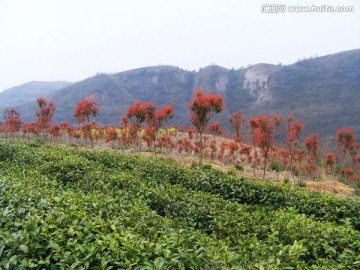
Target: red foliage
[214,128]
[31,127]
[45,112]
[124,120]
[299,154]
[330,159]
[345,137]
[346,172]
[310,166]
[85,109]
[203,107]
[263,131]
[293,131]
[236,121]
[223,147]
[213,149]
[185,144]
[233,146]
[147,139]
[245,149]
[86,129]
[168,112]
[140,111]
[353,149]
[111,135]
[190,133]
[55,130]
[12,119]
[159,117]
[312,145]
[64,125]
[124,139]
[164,141]
[133,133]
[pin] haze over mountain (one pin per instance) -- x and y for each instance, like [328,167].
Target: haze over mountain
[28,92]
[323,92]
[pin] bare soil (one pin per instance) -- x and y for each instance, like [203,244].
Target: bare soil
[329,186]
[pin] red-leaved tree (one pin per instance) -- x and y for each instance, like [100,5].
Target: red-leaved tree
[264,131]
[236,123]
[346,144]
[330,159]
[155,120]
[84,110]
[312,145]
[30,127]
[138,113]
[12,120]
[44,114]
[293,131]
[111,136]
[203,107]
[55,131]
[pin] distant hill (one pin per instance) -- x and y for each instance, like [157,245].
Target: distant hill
[28,92]
[323,92]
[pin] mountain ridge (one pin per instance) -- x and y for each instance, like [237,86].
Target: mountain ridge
[27,92]
[322,92]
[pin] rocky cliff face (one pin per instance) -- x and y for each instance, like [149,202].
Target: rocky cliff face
[256,81]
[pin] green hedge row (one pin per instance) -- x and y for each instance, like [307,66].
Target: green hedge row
[293,239]
[46,225]
[62,208]
[318,205]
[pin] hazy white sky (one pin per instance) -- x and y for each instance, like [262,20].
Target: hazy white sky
[71,40]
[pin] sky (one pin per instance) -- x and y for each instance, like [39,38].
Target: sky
[51,40]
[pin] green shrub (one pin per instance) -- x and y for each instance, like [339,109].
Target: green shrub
[275,166]
[231,172]
[286,180]
[7,151]
[301,184]
[68,169]
[239,167]
[206,166]
[130,211]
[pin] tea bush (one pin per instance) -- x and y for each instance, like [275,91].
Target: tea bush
[62,208]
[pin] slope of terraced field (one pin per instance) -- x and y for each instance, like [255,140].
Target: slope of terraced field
[64,208]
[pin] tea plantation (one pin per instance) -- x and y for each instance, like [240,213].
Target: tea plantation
[70,209]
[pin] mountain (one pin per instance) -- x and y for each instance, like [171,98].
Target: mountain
[28,92]
[323,92]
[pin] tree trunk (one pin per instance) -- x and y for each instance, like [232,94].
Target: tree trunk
[201,157]
[291,165]
[155,145]
[265,161]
